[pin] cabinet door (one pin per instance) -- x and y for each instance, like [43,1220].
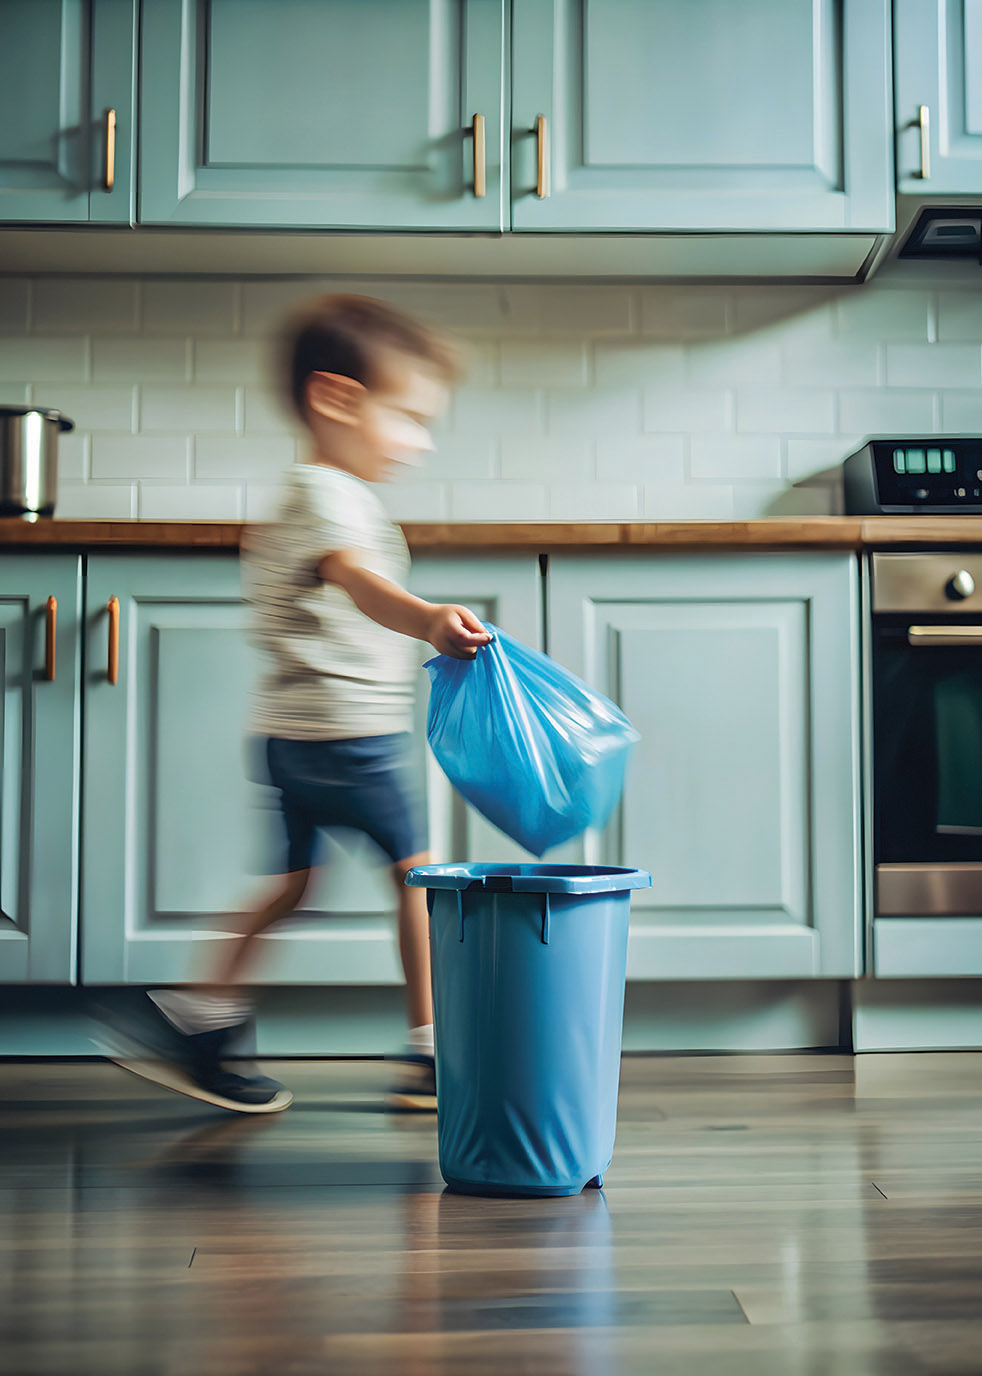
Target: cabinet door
[336,113]
[939,66]
[741,674]
[175,833]
[765,115]
[39,763]
[63,65]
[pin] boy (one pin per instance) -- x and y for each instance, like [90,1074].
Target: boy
[333,706]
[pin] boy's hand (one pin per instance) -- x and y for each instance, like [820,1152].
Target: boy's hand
[457,632]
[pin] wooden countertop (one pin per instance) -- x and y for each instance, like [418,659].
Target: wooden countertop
[774,533]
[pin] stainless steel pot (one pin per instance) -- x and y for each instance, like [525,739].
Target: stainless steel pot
[29,459]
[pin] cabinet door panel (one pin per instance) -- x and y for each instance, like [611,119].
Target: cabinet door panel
[939,65]
[660,117]
[337,113]
[741,675]
[39,762]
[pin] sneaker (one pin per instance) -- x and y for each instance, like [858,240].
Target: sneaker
[414,1087]
[142,1036]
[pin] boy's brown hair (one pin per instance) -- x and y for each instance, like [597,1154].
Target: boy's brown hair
[353,336]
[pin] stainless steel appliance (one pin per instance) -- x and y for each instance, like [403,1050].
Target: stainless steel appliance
[926,651]
[29,459]
[942,474]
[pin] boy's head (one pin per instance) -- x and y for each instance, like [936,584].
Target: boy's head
[367,381]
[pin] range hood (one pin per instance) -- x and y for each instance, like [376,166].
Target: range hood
[934,230]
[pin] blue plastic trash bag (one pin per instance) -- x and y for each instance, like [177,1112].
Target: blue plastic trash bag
[527,743]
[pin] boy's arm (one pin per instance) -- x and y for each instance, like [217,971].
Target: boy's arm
[452,630]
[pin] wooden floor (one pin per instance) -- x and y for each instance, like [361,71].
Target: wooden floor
[794,1215]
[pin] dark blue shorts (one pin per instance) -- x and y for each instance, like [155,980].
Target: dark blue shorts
[368,782]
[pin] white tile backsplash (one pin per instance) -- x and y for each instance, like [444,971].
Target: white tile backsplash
[582,401]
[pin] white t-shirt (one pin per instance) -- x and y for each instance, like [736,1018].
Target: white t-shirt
[328,671]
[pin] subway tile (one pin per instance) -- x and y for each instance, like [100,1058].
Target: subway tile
[477,308]
[497,411]
[689,312]
[139,360]
[786,314]
[190,408]
[190,308]
[687,502]
[779,410]
[541,363]
[136,457]
[807,459]
[751,360]
[42,360]
[961,412]
[638,361]
[73,457]
[90,406]
[960,316]
[594,502]
[190,503]
[499,501]
[233,360]
[611,411]
[97,305]
[478,359]
[879,314]
[842,362]
[732,457]
[589,310]
[655,458]
[751,501]
[96,501]
[467,455]
[423,501]
[547,460]
[15,296]
[265,305]
[686,408]
[265,413]
[887,410]
[261,501]
[15,393]
[934,365]
[260,459]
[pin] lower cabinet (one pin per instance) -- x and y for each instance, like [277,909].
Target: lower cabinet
[40,606]
[176,834]
[741,673]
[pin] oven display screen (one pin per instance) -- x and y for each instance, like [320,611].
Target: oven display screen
[911,459]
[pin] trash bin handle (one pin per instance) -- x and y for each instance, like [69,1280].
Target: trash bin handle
[545,919]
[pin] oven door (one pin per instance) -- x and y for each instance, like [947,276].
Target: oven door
[927,765]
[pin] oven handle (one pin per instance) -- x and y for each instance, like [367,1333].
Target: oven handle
[944,635]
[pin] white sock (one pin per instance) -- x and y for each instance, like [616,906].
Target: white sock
[191,1013]
[421,1039]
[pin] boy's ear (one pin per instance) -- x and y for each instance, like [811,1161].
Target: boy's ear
[334,397]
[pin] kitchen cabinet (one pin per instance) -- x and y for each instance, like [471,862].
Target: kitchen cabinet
[64,66]
[766,115]
[40,609]
[742,673]
[938,45]
[174,832]
[322,112]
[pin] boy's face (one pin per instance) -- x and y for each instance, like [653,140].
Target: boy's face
[377,431]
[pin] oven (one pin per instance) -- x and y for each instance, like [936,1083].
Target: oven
[926,662]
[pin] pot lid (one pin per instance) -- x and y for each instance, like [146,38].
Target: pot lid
[48,412]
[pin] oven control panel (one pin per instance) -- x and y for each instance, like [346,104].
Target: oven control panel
[900,476]
[939,582]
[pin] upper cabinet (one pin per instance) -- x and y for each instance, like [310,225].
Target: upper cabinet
[765,115]
[66,96]
[939,96]
[340,113]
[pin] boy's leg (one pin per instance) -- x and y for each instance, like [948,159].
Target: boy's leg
[414,943]
[236,957]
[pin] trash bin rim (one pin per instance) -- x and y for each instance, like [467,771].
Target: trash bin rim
[528,878]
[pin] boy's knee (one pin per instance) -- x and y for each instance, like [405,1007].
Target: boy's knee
[402,867]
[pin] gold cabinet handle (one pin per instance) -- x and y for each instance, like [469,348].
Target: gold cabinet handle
[50,638]
[112,668]
[480,158]
[542,157]
[924,122]
[110,150]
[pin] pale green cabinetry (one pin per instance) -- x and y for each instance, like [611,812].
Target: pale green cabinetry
[742,675]
[40,608]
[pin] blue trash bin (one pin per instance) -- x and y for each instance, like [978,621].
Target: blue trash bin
[528,965]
